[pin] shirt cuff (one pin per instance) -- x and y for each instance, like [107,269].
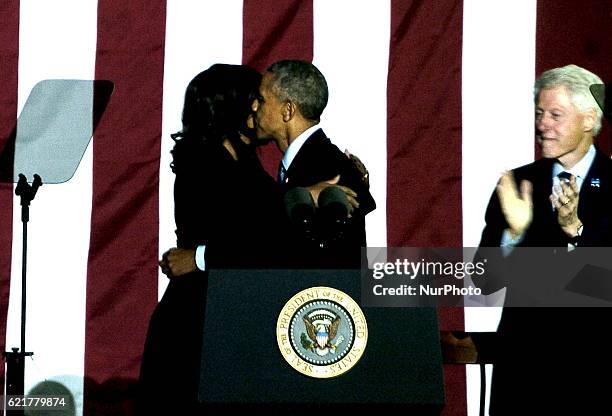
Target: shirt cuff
[508,242]
[199,258]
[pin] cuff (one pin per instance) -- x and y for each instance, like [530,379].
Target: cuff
[199,258]
[508,243]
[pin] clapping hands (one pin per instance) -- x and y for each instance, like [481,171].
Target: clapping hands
[516,207]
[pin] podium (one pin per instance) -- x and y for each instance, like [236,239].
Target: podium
[243,368]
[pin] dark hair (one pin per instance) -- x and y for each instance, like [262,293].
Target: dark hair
[217,105]
[303,84]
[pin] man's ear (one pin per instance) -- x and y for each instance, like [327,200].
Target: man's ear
[288,110]
[250,121]
[588,120]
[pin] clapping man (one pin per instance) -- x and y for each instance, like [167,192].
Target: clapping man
[552,359]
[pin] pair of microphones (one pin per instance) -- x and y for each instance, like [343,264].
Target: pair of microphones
[321,225]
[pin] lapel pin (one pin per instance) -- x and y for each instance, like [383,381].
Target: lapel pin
[595,182]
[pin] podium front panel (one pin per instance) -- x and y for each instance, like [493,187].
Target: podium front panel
[242,366]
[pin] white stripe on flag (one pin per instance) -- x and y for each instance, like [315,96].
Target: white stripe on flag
[498,74]
[356,116]
[198,34]
[497,106]
[57,40]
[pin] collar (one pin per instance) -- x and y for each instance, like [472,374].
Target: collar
[580,169]
[297,144]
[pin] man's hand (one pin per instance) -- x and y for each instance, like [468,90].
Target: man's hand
[178,261]
[365,175]
[316,189]
[565,198]
[517,209]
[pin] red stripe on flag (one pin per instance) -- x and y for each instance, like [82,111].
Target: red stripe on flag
[424,142]
[424,124]
[122,269]
[9,55]
[275,30]
[585,40]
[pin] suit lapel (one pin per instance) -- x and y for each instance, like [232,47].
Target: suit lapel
[542,187]
[593,186]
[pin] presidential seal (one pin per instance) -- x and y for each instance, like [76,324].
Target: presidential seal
[321,332]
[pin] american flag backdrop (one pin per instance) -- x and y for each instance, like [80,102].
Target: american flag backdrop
[433,95]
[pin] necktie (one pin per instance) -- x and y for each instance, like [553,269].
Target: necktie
[281,172]
[564,176]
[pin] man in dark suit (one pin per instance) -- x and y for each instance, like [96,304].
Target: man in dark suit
[552,360]
[293,95]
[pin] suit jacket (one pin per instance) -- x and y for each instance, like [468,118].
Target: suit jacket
[547,359]
[319,160]
[544,231]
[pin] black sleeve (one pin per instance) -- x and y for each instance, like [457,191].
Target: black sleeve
[495,224]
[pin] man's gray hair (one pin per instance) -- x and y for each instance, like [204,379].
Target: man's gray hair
[577,81]
[301,83]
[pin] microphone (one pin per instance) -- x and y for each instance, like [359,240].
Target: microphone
[333,204]
[300,209]
[334,209]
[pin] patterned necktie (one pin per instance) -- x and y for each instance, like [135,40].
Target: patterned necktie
[281,172]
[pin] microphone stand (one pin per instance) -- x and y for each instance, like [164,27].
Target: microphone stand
[15,359]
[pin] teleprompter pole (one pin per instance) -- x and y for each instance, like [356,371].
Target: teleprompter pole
[15,359]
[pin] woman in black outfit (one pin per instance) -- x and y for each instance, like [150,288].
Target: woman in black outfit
[223,199]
